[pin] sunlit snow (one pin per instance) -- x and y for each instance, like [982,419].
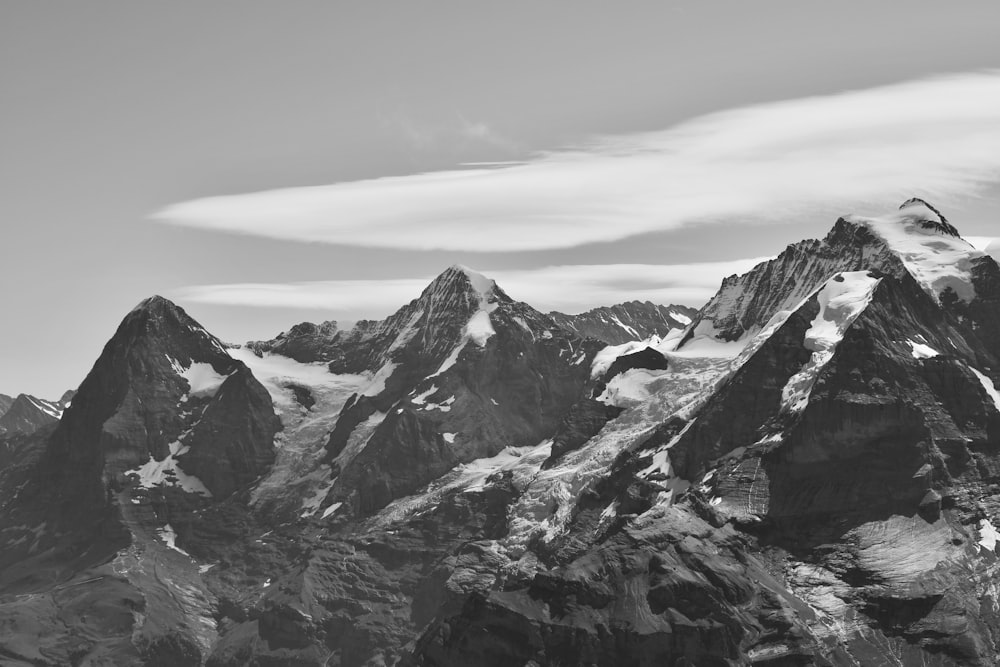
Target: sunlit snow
[991,390]
[935,259]
[841,300]
[921,350]
[168,472]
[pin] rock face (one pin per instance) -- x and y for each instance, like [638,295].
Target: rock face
[162,385]
[810,477]
[624,322]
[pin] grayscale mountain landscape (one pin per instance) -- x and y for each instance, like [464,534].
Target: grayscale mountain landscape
[716,386]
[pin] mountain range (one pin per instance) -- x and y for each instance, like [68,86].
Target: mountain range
[805,471]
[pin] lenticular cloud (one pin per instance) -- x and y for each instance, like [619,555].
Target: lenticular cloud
[569,288]
[937,137]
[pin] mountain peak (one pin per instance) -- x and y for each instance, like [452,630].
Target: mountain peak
[467,285]
[155,303]
[915,202]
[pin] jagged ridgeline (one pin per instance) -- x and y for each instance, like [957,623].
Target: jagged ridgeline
[803,472]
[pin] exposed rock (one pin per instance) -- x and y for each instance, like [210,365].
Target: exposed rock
[624,322]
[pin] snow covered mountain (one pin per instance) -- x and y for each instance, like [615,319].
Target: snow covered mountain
[806,474]
[456,375]
[624,322]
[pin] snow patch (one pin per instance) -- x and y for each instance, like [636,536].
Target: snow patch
[377,385]
[479,329]
[168,473]
[448,437]
[841,300]
[331,509]
[988,535]
[202,378]
[169,538]
[443,406]
[991,390]
[420,398]
[922,351]
[680,317]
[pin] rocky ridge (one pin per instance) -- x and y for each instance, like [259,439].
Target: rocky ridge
[629,321]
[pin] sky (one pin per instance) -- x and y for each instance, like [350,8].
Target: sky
[266,163]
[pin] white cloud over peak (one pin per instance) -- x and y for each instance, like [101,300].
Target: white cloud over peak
[937,138]
[572,288]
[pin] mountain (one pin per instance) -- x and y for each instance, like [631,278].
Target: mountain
[5,403]
[458,374]
[807,475]
[164,427]
[624,322]
[827,499]
[27,413]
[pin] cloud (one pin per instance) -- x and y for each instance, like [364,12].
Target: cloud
[572,288]
[937,138]
[988,244]
[452,134]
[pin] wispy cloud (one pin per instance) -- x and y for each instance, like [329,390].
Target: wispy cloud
[571,288]
[451,134]
[936,138]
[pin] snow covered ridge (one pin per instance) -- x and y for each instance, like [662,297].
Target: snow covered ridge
[841,300]
[931,251]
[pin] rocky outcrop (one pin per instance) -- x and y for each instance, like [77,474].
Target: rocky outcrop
[624,322]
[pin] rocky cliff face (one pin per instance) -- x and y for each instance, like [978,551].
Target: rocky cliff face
[808,477]
[624,322]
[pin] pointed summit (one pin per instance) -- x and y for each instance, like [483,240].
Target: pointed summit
[915,239]
[463,289]
[915,203]
[161,381]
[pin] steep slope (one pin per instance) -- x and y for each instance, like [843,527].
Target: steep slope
[624,322]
